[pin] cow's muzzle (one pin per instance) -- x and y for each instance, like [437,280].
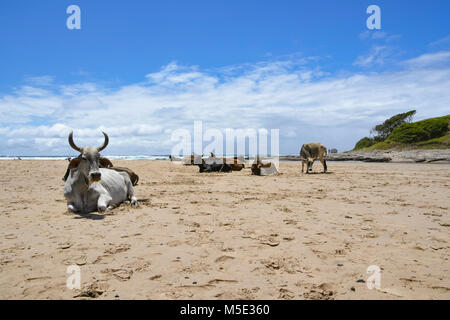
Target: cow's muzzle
[95,176]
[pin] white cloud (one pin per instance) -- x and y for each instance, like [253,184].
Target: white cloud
[377,56]
[441,42]
[304,102]
[429,59]
[373,34]
[378,35]
[41,80]
[32,91]
[381,49]
[79,88]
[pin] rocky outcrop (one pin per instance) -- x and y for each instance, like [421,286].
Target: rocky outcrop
[357,157]
[432,155]
[412,156]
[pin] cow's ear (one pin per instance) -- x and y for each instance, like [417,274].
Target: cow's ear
[74,163]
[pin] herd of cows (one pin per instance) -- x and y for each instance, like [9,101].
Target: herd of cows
[92,183]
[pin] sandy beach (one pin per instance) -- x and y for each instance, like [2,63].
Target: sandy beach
[231,236]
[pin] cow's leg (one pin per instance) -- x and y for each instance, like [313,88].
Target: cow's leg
[324,163]
[71,207]
[312,162]
[305,163]
[74,202]
[308,166]
[103,202]
[130,191]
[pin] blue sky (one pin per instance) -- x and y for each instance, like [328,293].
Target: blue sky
[141,69]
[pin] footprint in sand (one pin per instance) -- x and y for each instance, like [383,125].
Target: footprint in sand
[285,294]
[323,291]
[224,258]
[65,245]
[120,274]
[93,290]
[112,250]
[79,260]
[117,249]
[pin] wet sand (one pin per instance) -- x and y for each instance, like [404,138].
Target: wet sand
[231,235]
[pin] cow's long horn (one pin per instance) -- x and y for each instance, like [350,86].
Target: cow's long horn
[105,144]
[72,144]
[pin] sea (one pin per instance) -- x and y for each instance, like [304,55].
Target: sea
[133,157]
[138,157]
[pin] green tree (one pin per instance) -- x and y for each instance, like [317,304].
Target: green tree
[364,143]
[420,131]
[385,129]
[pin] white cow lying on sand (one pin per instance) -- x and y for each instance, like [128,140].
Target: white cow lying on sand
[263,169]
[89,188]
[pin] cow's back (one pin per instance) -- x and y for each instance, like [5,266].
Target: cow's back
[114,183]
[312,150]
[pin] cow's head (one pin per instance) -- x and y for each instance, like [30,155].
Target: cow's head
[309,164]
[203,167]
[88,160]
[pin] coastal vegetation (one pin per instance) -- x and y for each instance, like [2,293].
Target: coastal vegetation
[398,132]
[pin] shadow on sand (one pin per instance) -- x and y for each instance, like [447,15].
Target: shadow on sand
[328,172]
[101,216]
[92,216]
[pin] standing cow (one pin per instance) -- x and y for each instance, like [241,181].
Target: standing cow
[89,188]
[310,152]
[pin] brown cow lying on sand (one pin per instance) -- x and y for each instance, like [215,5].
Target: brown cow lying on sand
[103,163]
[233,162]
[263,169]
[237,166]
[310,152]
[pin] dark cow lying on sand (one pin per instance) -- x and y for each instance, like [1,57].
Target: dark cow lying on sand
[310,152]
[233,162]
[214,167]
[103,163]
